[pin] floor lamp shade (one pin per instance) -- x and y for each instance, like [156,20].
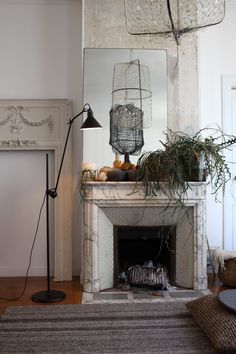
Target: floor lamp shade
[90,122]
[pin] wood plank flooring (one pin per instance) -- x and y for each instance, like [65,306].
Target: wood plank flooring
[11,287]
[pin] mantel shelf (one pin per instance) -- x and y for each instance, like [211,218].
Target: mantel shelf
[135,190]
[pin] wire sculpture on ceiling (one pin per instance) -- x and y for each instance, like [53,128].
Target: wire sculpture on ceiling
[172,17]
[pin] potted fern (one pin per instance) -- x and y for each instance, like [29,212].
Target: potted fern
[183,159]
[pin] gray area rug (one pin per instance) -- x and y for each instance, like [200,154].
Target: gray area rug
[102,328]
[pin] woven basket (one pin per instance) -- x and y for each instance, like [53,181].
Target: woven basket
[148,276]
[228,275]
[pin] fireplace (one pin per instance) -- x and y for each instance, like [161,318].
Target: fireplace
[109,205]
[149,248]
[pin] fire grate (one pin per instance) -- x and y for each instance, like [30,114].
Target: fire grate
[155,277]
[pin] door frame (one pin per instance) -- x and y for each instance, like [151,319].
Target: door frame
[228,84]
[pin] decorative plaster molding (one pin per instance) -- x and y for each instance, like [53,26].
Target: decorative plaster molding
[17,143]
[16,118]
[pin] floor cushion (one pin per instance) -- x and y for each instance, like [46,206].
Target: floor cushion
[218,323]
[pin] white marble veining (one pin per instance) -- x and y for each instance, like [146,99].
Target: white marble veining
[110,203]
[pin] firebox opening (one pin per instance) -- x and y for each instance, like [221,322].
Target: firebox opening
[145,249]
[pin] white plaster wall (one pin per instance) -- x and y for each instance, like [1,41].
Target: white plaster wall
[217,57]
[41,58]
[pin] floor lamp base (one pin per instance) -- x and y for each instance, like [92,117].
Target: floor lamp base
[48,296]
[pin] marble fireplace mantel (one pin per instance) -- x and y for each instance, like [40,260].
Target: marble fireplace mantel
[109,204]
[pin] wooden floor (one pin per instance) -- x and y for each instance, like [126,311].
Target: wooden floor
[12,287]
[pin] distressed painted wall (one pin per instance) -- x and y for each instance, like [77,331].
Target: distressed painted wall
[104,27]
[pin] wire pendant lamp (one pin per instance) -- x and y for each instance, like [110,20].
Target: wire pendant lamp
[175,17]
[126,129]
[131,85]
[131,107]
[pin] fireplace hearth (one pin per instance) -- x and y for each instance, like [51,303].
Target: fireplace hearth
[144,256]
[111,205]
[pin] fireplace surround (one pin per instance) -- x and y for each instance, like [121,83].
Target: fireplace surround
[109,204]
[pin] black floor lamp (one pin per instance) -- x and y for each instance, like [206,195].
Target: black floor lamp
[47,296]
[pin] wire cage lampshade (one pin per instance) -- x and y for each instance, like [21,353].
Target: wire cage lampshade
[131,107]
[131,85]
[172,16]
[126,129]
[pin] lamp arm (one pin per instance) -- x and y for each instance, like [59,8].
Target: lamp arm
[53,191]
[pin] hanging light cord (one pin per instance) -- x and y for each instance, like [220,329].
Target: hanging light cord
[175,33]
[4,299]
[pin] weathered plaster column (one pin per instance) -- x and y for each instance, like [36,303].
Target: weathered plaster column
[104,27]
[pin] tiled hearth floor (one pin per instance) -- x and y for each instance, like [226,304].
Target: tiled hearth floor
[142,295]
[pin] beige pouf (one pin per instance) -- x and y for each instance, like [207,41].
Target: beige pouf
[227,274]
[225,263]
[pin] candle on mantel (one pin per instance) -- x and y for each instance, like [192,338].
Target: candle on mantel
[90,171]
[89,166]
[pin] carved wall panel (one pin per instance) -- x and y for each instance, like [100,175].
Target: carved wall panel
[41,124]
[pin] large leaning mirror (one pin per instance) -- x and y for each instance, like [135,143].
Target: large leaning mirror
[97,90]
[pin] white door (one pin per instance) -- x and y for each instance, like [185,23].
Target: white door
[229,126]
